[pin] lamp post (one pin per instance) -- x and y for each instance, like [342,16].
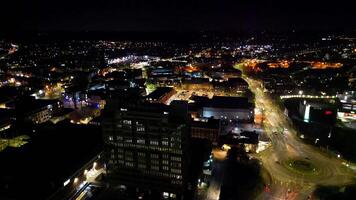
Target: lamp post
[316,140]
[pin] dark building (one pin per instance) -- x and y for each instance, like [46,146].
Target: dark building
[147,147]
[234,108]
[36,111]
[46,166]
[232,85]
[208,129]
[318,111]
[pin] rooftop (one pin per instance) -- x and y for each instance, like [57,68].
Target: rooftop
[159,93]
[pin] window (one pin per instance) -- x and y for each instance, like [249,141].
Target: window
[155,167]
[141,166]
[128,140]
[176,171]
[129,156]
[154,142]
[129,164]
[165,162]
[126,122]
[111,138]
[141,141]
[140,129]
[176,158]
[165,168]
[165,141]
[176,164]
[155,162]
[154,156]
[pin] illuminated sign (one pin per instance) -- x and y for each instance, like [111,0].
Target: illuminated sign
[328,112]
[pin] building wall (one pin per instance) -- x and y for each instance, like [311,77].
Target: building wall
[144,150]
[229,113]
[44,114]
[205,133]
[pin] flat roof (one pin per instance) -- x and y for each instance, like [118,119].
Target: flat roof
[159,93]
[229,102]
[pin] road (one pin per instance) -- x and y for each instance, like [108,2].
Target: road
[287,182]
[213,192]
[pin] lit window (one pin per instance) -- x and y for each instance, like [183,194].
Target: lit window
[140,141]
[176,158]
[140,129]
[154,156]
[165,143]
[126,122]
[128,140]
[154,142]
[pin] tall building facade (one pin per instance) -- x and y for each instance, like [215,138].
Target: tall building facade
[147,146]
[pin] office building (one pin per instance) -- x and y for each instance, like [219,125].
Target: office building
[147,147]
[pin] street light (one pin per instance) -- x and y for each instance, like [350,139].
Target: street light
[316,140]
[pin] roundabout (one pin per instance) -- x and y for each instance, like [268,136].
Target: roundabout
[303,166]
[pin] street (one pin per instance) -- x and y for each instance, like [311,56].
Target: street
[287,181]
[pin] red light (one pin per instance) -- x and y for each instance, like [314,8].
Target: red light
[328,112]
[267,189]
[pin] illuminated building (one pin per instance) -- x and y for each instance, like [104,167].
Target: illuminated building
[160,95]
[147,146]
[231,108]
[318,111]
[36,111]
[208,129]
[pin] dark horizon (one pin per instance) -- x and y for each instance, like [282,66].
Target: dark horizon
[182,16]
[174,36]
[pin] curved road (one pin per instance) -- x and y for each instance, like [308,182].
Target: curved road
[287,183]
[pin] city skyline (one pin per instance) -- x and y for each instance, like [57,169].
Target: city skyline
[178,100]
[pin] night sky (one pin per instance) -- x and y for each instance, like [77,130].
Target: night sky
[172,15]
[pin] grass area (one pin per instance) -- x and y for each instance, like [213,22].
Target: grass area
[150,87]
[301,166]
